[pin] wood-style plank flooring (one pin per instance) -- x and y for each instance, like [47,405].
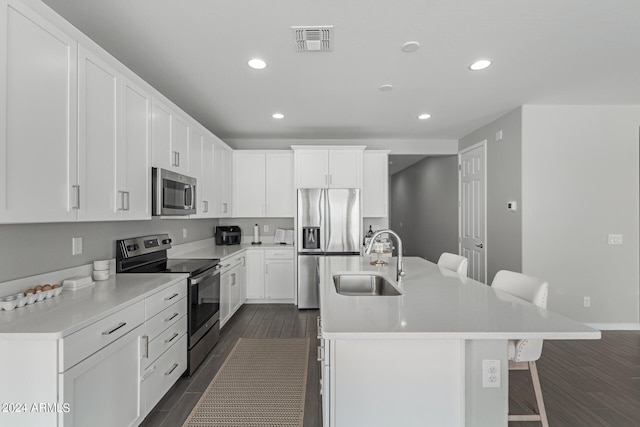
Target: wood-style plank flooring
[589,383]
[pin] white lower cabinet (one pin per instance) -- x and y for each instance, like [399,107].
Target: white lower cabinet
[104,389]
[270,276]
[232,286]
[164,344]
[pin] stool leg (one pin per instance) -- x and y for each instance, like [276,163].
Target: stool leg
[535,379]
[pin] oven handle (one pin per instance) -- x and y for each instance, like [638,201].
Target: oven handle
[209,273]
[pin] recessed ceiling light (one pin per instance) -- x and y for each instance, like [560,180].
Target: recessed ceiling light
[257,64]
[385,88]
[424,116]
[411,46]
[277,116]
[481,64]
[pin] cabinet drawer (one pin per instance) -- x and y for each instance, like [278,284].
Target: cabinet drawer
[278,254]
[164,341]
[165,318]
[165,298]
[87,341]
[164,372]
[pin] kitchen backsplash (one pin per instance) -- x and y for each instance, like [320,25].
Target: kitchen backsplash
[246,227]
[30,249]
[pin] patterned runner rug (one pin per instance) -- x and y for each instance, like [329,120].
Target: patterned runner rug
[262,383]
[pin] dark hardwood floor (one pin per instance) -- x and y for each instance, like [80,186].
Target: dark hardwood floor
[589,383]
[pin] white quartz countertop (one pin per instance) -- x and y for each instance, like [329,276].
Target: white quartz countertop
[73,310]
[207,249]
[436,304]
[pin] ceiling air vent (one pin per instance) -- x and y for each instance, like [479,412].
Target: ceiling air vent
[313,39]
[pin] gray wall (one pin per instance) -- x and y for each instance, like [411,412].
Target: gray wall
[504,183]
[29,249]
[424,198]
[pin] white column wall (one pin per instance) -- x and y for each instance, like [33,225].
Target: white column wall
[580,182]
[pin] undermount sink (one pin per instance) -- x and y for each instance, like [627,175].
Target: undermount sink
[364,284]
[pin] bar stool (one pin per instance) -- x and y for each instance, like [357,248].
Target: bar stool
[453,262]
[524,353]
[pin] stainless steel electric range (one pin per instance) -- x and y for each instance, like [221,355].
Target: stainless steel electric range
[148,254]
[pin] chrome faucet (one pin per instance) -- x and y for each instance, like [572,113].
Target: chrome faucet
[367,249]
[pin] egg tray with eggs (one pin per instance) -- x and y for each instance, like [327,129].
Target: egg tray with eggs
[30,296]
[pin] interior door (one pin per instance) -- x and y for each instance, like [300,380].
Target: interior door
[472,210]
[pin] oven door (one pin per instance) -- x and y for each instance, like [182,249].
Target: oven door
[204,304]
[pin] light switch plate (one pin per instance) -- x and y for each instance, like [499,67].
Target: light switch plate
[76,246]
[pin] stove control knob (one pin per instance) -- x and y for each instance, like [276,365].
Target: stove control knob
[132,247]
[166,241]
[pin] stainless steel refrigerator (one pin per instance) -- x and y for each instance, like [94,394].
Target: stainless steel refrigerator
[329,224]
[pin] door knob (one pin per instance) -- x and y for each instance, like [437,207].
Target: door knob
[480,246]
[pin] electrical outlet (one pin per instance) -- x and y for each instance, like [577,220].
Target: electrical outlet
[265,228]
[76,246]
[491,374]
[587,302]
[614,239]
[184,233]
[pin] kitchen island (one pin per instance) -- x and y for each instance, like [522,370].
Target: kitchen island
[416,358]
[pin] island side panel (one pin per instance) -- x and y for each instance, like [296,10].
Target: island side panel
[486,406]
[397,382]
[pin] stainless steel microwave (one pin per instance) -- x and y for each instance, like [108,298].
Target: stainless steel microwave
[173,193]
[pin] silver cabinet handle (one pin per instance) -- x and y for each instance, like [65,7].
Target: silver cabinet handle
[146,347]
[173,337]
[480,246]
[178,157]
[151,371]
[121,194]
[320,354]
[171,297]
[170,318]
[224,208]
[76,189]
[126,193]
[110,331]
[330,179]
[319,326]
[173,368]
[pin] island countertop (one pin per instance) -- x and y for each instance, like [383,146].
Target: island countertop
[436,304]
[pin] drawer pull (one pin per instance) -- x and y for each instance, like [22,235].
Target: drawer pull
[170,318]
[320,354]
[173,337]
[171,297]
[173,368]
[110,331]
[149,372]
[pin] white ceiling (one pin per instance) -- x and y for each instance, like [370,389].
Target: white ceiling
[543,52]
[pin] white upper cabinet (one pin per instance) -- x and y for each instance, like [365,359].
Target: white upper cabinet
[201,167]
[375,186]
[263,184]
[328,167]
[134,154]
[170,139]
[249,184]
[222,168]
[113,143]
[38,118]
[98,128]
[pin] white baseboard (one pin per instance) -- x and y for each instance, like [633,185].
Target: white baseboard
[615,326]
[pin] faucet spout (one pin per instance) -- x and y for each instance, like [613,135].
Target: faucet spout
[367,250]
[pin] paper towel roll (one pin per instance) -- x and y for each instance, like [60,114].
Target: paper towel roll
[256,233]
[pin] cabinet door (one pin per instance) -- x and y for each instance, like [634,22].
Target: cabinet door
[222,181]
[225,296]
[280,190]
[206,208]
[179,144]
[255,274]
[279,279]
[104,389]
[38,118]
[135,153]
[161,136]
[311,168]
[249,184]
[98,128]
[345,168]
[375,186]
